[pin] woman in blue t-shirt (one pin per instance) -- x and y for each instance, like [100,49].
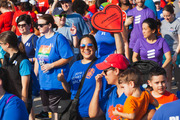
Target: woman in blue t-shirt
[88,47]
[11,107]
[53,53]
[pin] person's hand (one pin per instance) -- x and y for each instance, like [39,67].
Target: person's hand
[60,76]
[129,21]
[46,67]
[98,78]
[56,1]
[73,30]
[115,112]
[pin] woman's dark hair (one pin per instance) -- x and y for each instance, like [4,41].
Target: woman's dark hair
[4,4]
[24,17]
[49,19]
[151,23]
[127,3]
[91,37]
[11,38]
[80,7]
[169,8]
[25,6]
[4,76]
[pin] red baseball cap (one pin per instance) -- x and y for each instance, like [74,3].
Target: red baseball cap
[114,60]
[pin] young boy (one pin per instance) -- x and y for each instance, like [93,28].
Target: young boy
[157,80]
[137,101]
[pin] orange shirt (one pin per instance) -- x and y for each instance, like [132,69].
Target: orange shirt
[166,98]
[138,105]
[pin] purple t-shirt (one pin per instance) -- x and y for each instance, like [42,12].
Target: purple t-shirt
[152,51]
[139,17]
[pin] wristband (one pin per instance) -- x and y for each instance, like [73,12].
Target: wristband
[32,59]
[74,34]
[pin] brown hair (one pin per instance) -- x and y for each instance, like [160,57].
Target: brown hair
[5,4]
[11,38]
[49,19]
[131,74]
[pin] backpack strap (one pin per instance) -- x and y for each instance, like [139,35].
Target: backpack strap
[9,98]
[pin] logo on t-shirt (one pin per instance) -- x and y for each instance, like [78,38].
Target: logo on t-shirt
[90,73]
[151,53]
[110,113]
[28,44]
[137,19]
[44,51]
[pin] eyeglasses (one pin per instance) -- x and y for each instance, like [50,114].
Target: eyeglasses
[21,25]
[106,70]
[62,15]
[41,25]
[89,45]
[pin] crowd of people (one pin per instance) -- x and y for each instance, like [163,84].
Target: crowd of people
[47,47]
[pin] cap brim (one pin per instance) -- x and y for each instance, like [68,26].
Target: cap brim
[102,66]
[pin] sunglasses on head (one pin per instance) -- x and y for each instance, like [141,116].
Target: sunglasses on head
[62,15]
[21,25]
[41,25]
[89,45]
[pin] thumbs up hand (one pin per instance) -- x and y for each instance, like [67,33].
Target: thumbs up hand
[60,76]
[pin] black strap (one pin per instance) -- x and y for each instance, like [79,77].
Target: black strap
[83,78]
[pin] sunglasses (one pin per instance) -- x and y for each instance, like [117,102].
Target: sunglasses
[106,70]
[89,45]
[41,25]
[21,25]
[62,15]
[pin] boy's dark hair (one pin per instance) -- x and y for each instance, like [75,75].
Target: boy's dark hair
[157,71]
[131,74]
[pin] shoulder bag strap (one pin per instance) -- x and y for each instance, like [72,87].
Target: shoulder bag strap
[83,78]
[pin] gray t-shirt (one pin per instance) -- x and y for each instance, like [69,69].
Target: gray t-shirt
[170,32]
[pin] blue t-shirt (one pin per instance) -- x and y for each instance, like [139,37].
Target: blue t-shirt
[105,43]
[48,51]
[14,109]
[168,111]
[30,45]
[160,14]
[110,100]
[74,78]
[25,67]
[78,21]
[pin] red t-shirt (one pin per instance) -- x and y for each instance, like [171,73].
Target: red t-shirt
[6,21]
[17,14]
[92,8]
[166,98]
[42,6]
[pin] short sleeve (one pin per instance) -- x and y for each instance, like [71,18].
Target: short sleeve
[129,106]
[64,48]
[34,41]
[165,47]
[25,67]
[137,46]
[15,110]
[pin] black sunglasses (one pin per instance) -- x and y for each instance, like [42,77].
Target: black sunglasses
[106,70]
[62,15]
[41,25]
[21,25]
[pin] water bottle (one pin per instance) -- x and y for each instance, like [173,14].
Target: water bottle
[41,62]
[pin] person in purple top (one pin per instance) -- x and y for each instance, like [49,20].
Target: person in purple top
[138,15]
[151,47]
